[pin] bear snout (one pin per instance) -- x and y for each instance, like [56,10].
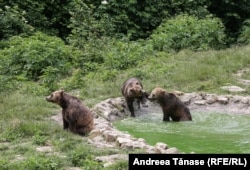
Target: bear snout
[150,97]
[48,99]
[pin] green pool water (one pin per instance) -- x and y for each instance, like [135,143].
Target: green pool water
[207,133]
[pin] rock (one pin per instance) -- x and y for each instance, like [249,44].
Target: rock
[211,98]
[200,102]
[95,132]
[245,100]
[223,100]
[109,136]
[233,88]
[245,82]
[44,149]
[111,109]
[172,150]
[160,147]
[120,141]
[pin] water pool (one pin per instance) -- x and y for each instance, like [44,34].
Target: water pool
[207,133]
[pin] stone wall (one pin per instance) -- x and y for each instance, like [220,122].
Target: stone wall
[110,110]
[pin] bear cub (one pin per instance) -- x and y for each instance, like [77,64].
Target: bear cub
[171,105]
[132,90]
[77,117]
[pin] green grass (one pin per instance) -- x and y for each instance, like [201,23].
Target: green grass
[26,123]
[186,71]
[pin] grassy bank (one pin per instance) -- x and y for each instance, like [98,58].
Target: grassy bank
[186,71]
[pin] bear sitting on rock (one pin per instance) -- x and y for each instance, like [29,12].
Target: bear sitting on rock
[132,90]
[77,117]
[172,106]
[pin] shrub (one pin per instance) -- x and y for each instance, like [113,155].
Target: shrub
[13,22]
[38,57]
[189,32]
[124,55]
[7,83]
[244,37]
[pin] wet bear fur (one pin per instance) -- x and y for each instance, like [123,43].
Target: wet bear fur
[132,90]
[77,117]
[171,105]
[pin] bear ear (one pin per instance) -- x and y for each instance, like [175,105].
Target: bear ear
[163,91]
[61,91]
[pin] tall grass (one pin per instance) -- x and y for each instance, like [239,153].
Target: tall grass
[196,71]
[186,71]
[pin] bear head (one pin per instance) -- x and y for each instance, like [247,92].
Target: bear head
[55,96]
[157,93]
[135,91]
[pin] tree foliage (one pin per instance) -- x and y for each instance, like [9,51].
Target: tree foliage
[244,37]
[189,32]
[13,22]
[233,14]
[138,18]
[135,19]
[48,16]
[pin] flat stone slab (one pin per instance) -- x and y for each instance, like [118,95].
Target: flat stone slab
[233,88]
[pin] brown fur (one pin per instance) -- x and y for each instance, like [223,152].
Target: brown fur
[172,106]
[77,117]
[132,90]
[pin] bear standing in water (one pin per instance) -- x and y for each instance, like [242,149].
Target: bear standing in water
[172,106]
[76,116]
[132,90]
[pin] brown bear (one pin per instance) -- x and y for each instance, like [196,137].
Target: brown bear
[171,105]
[77,117]
[132,90]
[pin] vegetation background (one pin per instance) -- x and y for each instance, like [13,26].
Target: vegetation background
[90,47]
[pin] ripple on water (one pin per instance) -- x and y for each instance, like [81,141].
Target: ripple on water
[207,133]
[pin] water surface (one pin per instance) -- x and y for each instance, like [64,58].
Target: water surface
[207,133]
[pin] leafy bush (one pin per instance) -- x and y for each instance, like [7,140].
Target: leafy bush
[84,24]
[13,22]
[51,17]
[189,32]
[137,20]
[125,55]
[8,82]
[244,37]
[38,57]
